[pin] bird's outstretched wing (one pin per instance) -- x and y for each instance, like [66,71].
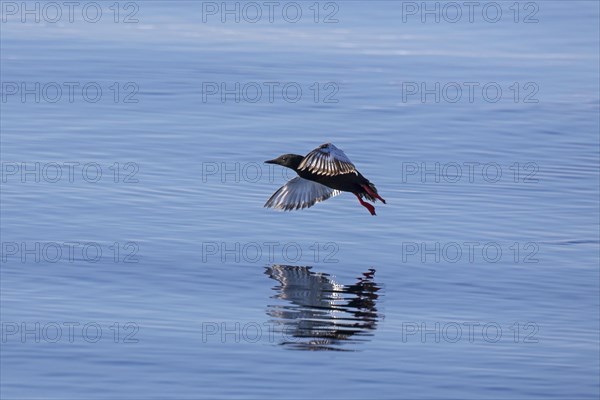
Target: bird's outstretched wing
[327,160]
[300,193]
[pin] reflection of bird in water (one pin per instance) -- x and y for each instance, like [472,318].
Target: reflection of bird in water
[322,314]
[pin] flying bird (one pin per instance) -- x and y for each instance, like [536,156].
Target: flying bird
[324,172]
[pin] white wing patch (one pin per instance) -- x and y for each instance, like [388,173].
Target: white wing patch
[300,193]
[327,160]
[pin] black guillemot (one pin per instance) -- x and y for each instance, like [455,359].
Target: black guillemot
[324,172]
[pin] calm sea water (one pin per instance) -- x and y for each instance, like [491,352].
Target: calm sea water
[138,260]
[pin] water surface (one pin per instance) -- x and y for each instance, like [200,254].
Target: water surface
[200,292]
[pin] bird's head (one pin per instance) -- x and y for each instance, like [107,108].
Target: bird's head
[287,160]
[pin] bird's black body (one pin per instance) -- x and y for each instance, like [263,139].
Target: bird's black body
[353,182]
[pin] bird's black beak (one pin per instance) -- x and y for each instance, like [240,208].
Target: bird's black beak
[271,161]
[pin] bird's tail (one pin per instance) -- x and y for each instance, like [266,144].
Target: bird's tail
[371,193]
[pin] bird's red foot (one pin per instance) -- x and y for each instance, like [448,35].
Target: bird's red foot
[366,205]
[372,193]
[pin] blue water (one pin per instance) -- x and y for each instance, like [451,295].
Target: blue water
[200,292]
